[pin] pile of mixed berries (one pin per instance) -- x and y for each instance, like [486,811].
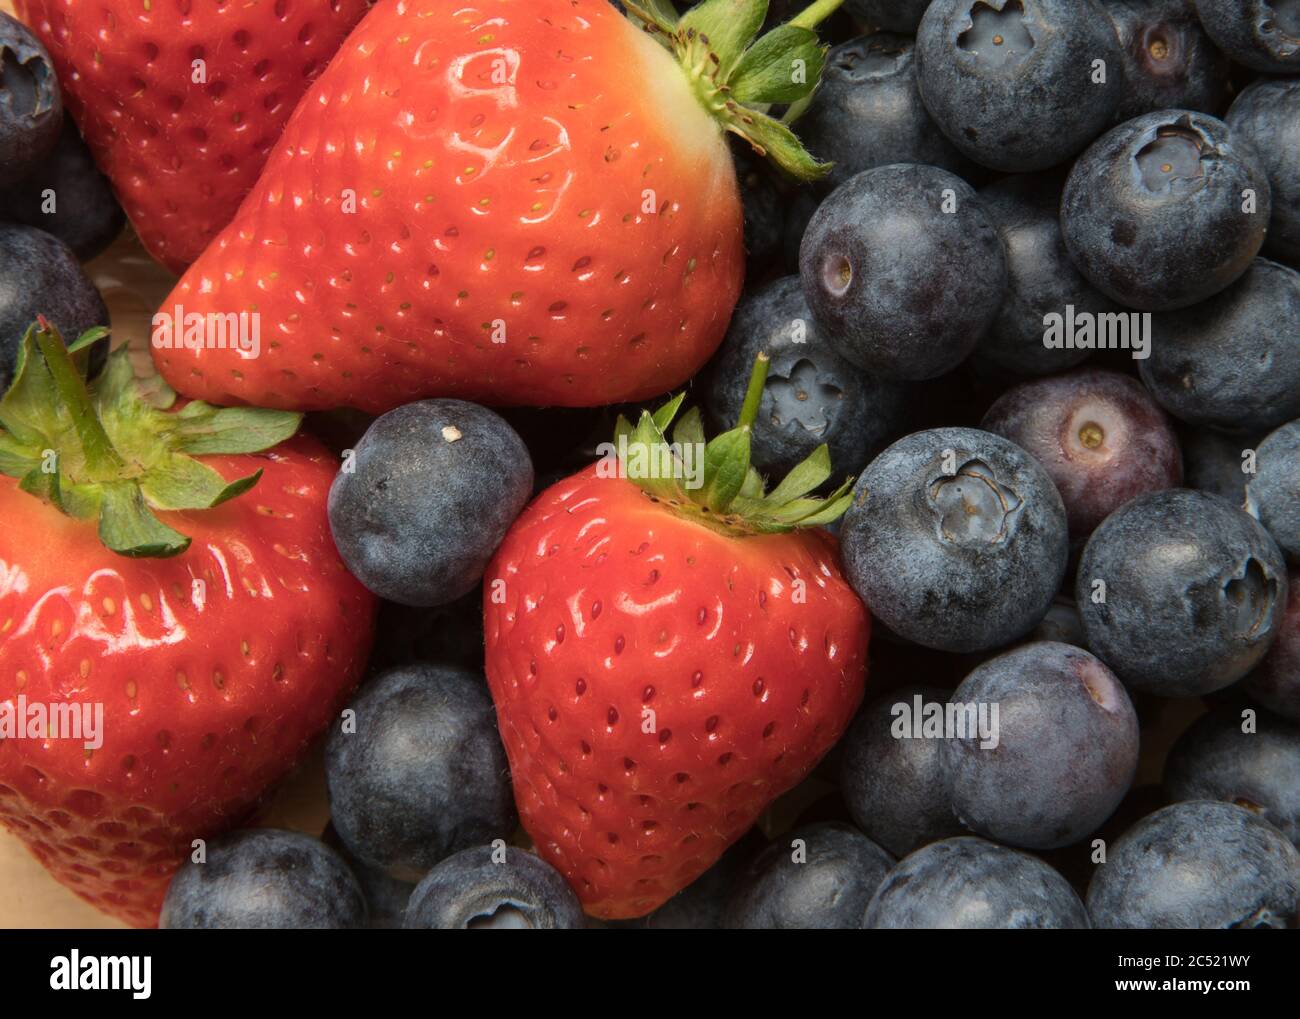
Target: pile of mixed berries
[757,465]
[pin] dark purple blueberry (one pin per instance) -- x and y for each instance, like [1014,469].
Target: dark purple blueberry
[956,539]
[386,896]
[264,879]
[903,270]
[1041,279]
[1232,363]
[68,197]
[891,15]
[494,887]
[1273,494]
[893,780]
[418,771]
[450,634]
[31,107]
[1063,751]
[1169,61]
[1061,624]
[763,204]
[1267,114]
[813,396]
[1180,593]
[426,499]
[1276,682]
[1165,210]
[1019,85]
[867,112]
[40,275]
[1199,864]
[798,214]
[819,877]
[1254,763]
[1217,462]
[1098,434]
[1262,34]
[971,884]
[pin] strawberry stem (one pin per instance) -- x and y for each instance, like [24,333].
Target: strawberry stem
[754,394]
[814,15]
[96,448]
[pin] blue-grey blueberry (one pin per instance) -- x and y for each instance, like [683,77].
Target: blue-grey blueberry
[1267,114]
[493,887]
[426,497]
[1169,61]
[1262,34]
[1273,492]
[1198,864]
[1180,592]
[956,539]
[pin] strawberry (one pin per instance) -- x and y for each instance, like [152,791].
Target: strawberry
[183,142]
[214,658]
[665,659]
[510,202]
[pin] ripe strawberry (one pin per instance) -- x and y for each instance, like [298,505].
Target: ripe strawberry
[214,666]
[665,661]
[183,142]
[512,203]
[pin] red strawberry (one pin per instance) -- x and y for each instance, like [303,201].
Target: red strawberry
[514,203]
[214,666]
[665,660]
[182,153]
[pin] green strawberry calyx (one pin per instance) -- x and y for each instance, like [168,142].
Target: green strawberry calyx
[713,482]
[738,75]
[109,449]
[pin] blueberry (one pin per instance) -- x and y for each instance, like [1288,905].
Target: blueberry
[903,270]
[386,896]
[969,884]
[891,15]
[1169,61]
[867,112]
[39,275]
[1198,865]
[493,887]
[84,213]
[1180,593]
[956,539]
[813,395]
[1276,682]
[1273,494]
[1156,212]
[1041,278]
[763,205]
[1216,760]
[820,877]
[434,488]
[264,879]
[1216,462]
[450,634]
[1267,114]
[31,108]
[701,904]
[894,783]
[421,772]
[1014,83]
[1232,363]
[1061,624]
[798,214]
[1066,747]
[1098,434]
[1262,34]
